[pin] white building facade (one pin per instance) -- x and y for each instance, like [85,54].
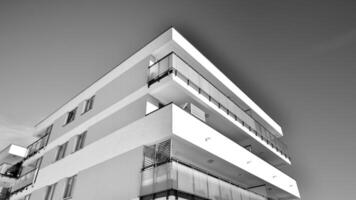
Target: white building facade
[164,124]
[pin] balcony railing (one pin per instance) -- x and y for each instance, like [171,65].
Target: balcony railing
[185,178]
[163,172]
[24,181]
[4,193]
[3,169]
[172,64]
[10,171]
[37,145]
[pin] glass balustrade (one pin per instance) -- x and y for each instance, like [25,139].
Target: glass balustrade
[191,182]
[24,181]
[37,145]
[172,64]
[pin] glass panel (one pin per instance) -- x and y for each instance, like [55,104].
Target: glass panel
[200,184]
[174,175]
[161,178]
[214,191]
[69,187]
[185,179]
[189,181]
[236,194]
[147,181]
[225,189]
[24,180]
[153,72]
[244,194]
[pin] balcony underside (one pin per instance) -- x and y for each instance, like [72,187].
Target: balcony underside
[196,142]
[169,90]
[186,152]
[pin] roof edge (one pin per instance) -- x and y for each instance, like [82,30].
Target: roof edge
[200,58]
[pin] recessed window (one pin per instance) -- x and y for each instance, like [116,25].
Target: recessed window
[70,116]
[61,151]
[27,197]
[89,103]
[39,162]
[46,135]
[79,144]
[50,192]
[68,191]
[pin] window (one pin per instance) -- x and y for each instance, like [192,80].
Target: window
[39,162]
[88,104]
[45,137]
[70,116]
[61,151]
[50,192]
[80,141]
[68,191]
[27,197]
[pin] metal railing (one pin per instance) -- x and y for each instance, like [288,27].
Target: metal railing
[11,171]
[4,193]
[173,64]
[161,172]
[3,168]
[24,181]
[37,145]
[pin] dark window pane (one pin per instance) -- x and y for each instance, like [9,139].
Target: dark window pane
[69,187]
[71,116]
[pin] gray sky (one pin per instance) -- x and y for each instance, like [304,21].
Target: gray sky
[295,59]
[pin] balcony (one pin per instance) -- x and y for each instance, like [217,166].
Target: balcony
[26,177]
[23,182]
[162,171]
[191,183]
[8,175]
[173,167]
[180,70]
[37,146]
[193,141]
[12,171]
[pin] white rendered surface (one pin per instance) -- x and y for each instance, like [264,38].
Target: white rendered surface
[196,132]
[160,42]
[147,130]
[188,47]
[198,96]
[90,122]
[150,48]
[18,151]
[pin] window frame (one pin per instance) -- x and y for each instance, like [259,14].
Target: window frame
[80,140]
[88,104]
[50,191]
[27,197]
[61,151]
[70,116]
[68,189]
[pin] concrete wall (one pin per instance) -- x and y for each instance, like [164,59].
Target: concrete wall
[125,116]
[119,88]
[118,178]
[116,90]
[145,131]
[38,194]
[104,181]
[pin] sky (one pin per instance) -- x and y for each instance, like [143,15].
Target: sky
[295,59]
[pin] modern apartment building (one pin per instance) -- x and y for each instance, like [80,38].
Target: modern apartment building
[164,124]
